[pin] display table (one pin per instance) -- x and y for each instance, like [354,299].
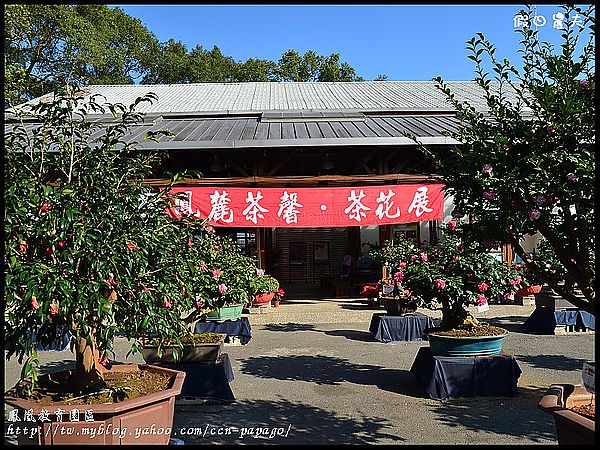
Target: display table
[446,377]
[232,328]
[206,381]
[544,320]
[405,327]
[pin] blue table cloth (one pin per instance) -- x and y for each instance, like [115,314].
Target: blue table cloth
[446,377]
[207,381]
[544,320]
[406,327]
[240,327]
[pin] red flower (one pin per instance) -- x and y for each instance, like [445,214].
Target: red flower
[482,287]
[199,304]
[452,225]
[54,309]
[48,251]
[130,246]
[190,243]
[167,303]
[45,206]
[280,292]
[61,244]
[111,282]
[481,300]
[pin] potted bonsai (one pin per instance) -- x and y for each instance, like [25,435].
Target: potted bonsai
[263,288]
[198,348]
[278,298]
[452,274]
[89,248]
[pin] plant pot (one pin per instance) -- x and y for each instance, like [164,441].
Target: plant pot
[263,299]
[206,353]
[153,412]
[465,346]
[528,290]
[227,312]
[276,303]
[547,297]
[571,428]
[396,307]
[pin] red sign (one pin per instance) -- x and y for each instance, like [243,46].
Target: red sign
[312,207]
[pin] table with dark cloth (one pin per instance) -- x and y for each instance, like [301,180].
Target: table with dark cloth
[544,320]
[405,327]
[446,377]
[240,327]
[206,381]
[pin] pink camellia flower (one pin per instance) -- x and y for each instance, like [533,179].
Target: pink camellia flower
[34,303]
[61,244]
[103,361]
[190,243]
[216,273]
[45,206]
[210,229]
[222,288]
[54,308]
[584,82]
[398,276]
[424,256]
[534,214]
[518,279]
[507,295]
[413,258]
[111,282]
[440,284]
[486,169]
[452,225]
[260,272]
[199,303]
[403,265]
[489,194]
[280,292]
[167,303]
[481,300]
[539,200]
[482,287]
[130,246]
[572,178]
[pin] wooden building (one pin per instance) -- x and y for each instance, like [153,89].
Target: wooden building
[301,135]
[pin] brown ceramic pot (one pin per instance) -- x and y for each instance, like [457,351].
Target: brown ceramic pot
[571,428]
[143,420]
[206,353]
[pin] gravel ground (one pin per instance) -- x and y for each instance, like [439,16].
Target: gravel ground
[313,373]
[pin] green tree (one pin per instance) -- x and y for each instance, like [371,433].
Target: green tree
[49,45]
[527,165]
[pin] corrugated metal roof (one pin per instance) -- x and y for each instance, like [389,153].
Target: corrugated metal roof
[251,131]
[293,96]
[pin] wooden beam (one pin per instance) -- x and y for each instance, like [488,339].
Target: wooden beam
[299,180]
[281,163]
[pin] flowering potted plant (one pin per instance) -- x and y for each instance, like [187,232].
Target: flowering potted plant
[263,287]
[278,297]
[89,248]
[452,274]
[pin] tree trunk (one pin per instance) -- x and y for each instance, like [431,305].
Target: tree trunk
[90,373]
[457,317]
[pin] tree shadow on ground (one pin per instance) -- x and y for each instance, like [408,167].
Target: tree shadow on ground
[353,335]
[555,362]
[328,370]
[290,326]
[307,424]
[515,416]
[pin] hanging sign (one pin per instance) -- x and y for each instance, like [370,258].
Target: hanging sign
[311,207]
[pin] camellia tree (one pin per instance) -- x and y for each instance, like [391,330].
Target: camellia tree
[452,274]
[526,165]
[89,248]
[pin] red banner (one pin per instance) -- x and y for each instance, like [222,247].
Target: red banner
[312,207]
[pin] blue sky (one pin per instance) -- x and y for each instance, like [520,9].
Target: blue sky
[405,42]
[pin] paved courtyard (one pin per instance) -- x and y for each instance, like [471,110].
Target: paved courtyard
[313,371]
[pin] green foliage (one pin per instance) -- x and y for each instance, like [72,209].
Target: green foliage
[452,273]
[263,283]
[527,163]
[89,247]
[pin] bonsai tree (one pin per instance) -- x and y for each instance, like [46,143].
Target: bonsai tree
[526,165]
[452,274]
[88,246]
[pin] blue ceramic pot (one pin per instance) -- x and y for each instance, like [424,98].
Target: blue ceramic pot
[465,346]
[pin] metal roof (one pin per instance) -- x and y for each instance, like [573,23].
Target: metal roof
[228,98]
[248,131]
